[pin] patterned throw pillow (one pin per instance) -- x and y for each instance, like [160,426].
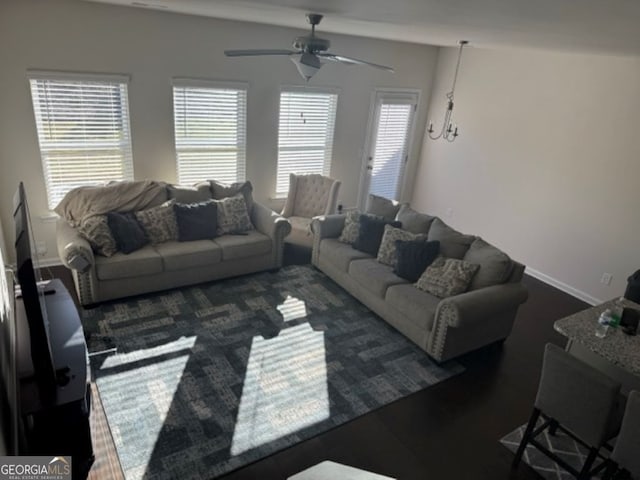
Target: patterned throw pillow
[96,230]
[351,227]
[387,252]
[446,277]
[233,216]
[159,222]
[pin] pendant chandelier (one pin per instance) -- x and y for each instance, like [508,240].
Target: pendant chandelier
[449,131]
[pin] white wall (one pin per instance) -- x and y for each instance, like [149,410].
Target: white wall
[547,165]
[154,46]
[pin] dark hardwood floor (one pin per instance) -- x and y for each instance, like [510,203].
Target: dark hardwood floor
[450,430]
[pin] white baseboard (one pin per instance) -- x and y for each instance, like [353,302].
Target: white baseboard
[574,292]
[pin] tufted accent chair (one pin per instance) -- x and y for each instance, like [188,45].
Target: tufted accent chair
[309,196]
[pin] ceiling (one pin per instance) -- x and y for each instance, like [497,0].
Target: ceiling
[596,26]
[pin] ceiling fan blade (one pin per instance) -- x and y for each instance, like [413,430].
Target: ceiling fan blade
[354,61]
[258,52]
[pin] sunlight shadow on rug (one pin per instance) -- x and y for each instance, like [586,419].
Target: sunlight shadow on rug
[151,372]
[285,388]
[292,308]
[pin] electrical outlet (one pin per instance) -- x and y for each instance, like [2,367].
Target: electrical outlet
[606,278]
[41,248]
[449,212]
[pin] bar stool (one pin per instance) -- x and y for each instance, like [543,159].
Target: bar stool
[625,455]
[579,400]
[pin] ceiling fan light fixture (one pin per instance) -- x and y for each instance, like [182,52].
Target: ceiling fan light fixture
[307,64]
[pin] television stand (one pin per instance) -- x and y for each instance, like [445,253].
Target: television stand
[55,418]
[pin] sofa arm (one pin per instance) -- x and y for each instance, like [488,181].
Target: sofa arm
[328,226]
[480,305]
[75,251]
[274,225]
[325,226]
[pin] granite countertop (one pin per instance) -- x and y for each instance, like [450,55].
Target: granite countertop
[617,347]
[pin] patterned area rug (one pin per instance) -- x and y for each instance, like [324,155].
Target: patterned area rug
[561,444]
[206,379]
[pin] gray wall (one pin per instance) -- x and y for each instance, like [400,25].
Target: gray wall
[547,165]
[152,47]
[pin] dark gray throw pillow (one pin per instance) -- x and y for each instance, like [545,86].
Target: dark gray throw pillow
[126,231]
[196,221]
[370,233]
[414,256]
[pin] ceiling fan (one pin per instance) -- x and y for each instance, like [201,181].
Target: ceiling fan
[310,52]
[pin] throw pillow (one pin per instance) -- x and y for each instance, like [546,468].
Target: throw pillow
[387,251]
[127,232]
[159,222]
[96,230]
[200,192]
[495,265]
[413,257]
[453,244]
[223,190]
[370,234]
[196,221]
[412,221]
[383,207]
[351,226]
[233,216]
[446,277]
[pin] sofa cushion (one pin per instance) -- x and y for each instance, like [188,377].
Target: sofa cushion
[453,244]
[416,305]
[340,254]
[370,233]
[96,230]
[159,222]
[127,231]
[446,277]
[221,190]
[387,251]
[351,227]
[413,258]
[196,221]
[242,246]
[233,216]
[301,233]
[199,192]
[145,261]
[182,255]
[495,265]
[412,221]
[383,207]
[374,276]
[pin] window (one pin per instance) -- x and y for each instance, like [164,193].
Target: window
[83,131]
[305,135]
[389,141]
[210,131]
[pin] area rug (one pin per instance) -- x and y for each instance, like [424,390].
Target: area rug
[200,381]
[561,444]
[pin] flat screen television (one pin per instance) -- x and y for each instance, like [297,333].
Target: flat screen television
[32,295]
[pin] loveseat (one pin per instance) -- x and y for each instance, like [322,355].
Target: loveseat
[443,327]
[168,264]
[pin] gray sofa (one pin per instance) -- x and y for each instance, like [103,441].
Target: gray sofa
[444,328]
[173,264]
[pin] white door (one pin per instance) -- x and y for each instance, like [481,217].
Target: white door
[389,137]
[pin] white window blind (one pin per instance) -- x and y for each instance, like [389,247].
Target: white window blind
[210,132]
[390,149]
[83,131]
[305,135]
